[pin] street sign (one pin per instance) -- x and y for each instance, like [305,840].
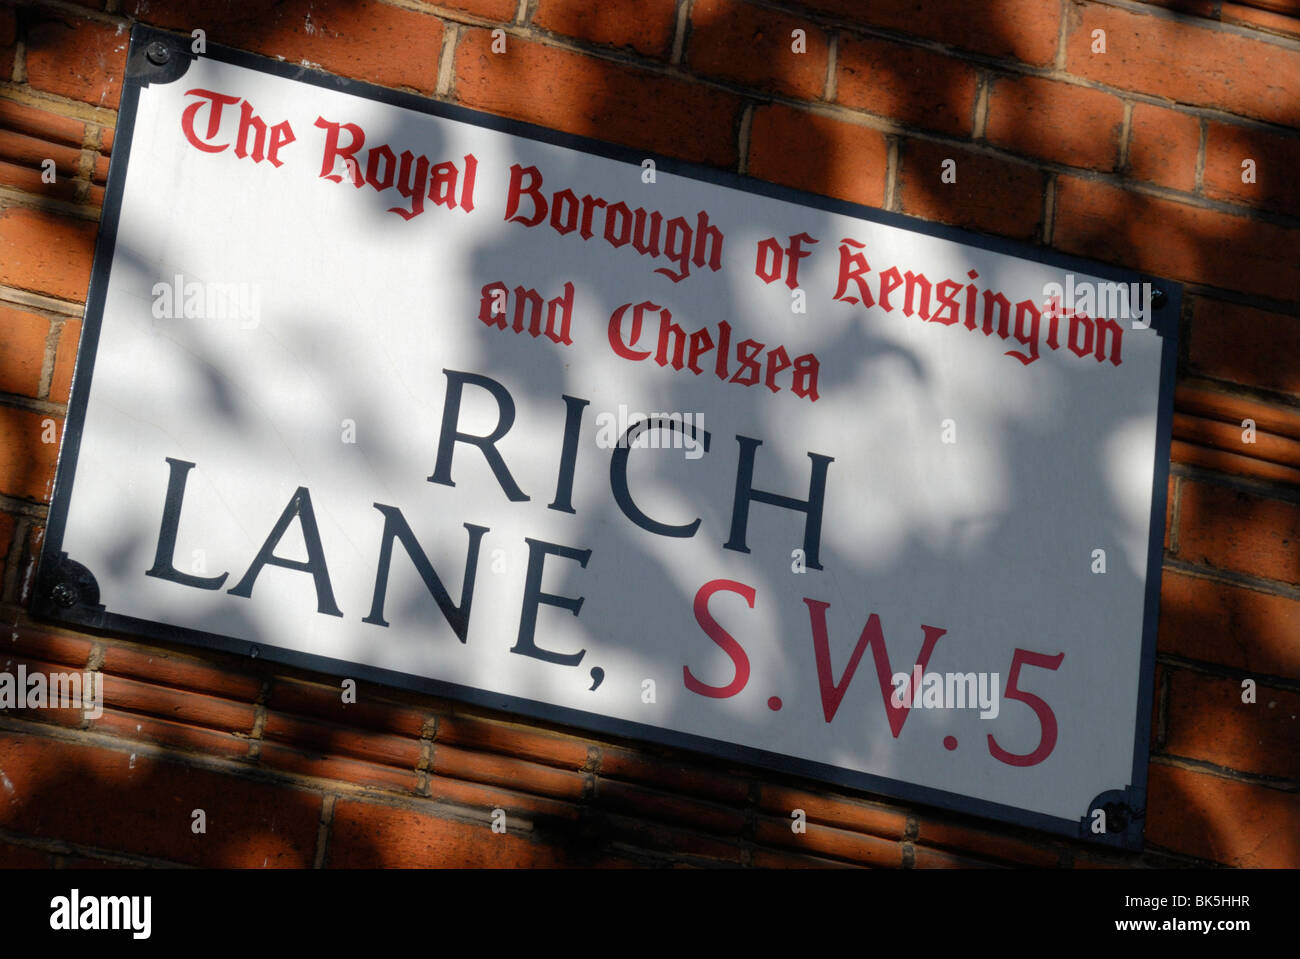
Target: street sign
[400,392]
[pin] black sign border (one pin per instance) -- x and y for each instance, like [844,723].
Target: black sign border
[65,592]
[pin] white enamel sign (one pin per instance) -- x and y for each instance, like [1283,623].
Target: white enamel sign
[409,394]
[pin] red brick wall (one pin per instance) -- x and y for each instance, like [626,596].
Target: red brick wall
[1132,157]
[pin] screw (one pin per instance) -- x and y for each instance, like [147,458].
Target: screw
[158,53]
[64,595]
[254,652]
[1158,298]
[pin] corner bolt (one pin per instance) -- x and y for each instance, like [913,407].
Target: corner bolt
[64,595]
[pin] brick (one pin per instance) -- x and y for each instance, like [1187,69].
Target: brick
[340,769]
[65,360]
[1024,30]
[771,859]
[23,857]
[183,706]
[7,526]
[471,732]
[1084,859]
[909,85]
[368,835]
[1170,495]
[1231,406]
[876,820]
[457,793]
[57,709]
[822,840]
[1197,8]
[68,717]
[1207,720]
[22,350]
[646,26]
[1290,8]
[1230,625]
[1062,122]
[76,58]
[638,767]
[41,643]
[87,862]
[377,42]
[751,45]
[36,122]
[167,668]
[1220,447]
[1287,21]
[333,739]
[991,194]
[163,732]
[1154,739]
[503,10]
[923,858]
[505,771]
[631,800]
[31,552]
[1226,528]
[140,805]
[27,179]
[685,847]
[627,861]
[8,41]
[1184,61]
[326,702]
[33,151]
[1235,823]
[591,97]
[1277,160]
[10,661]
[1178,240]
[982,842]
[1213,419]
[26,462]
[817,153]
[1212,446]
[1242,344]
[46,253]
[1163,147]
